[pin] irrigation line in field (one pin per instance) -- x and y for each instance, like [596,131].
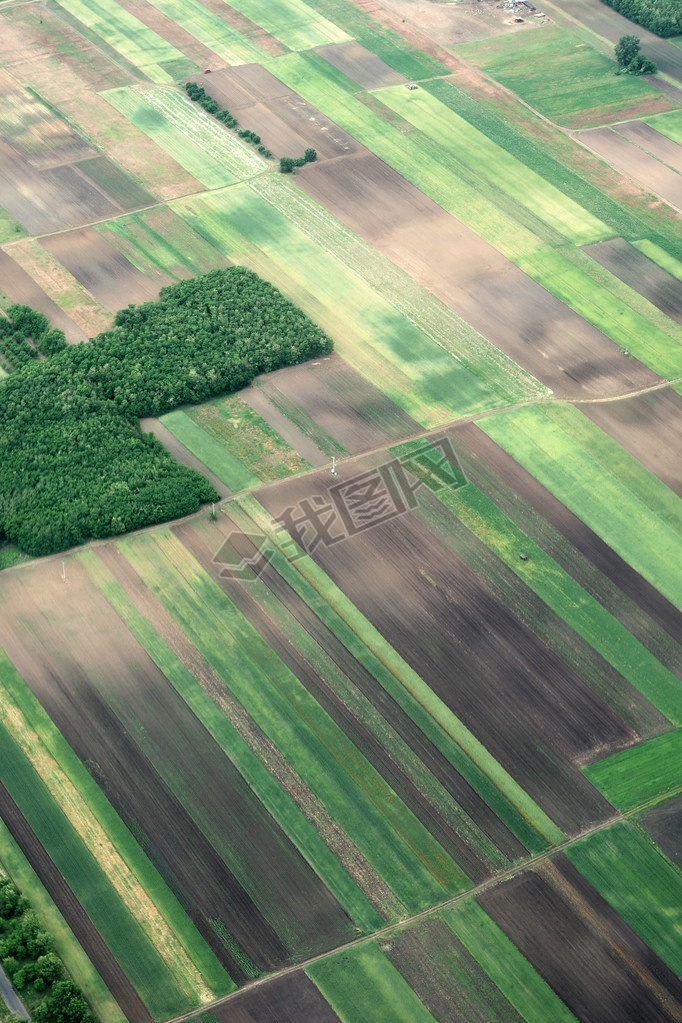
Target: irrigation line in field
[491,882]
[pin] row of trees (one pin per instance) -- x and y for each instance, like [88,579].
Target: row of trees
[200,96]
[29,959]
[287,164]
[24,333]
[664,17]
[74,464]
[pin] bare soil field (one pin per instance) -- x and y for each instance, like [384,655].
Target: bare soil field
[450,23]
[286,123]
[470,276]
[586,952]
[101,269]
[72,911]
[643,600]
[640,273]
[37,135]
[631,160]
[162,770]
[531,711]
[290,999]
[361,66]
[342,402]
[180,453]
[663,823]
[21,287]
[646,137]
[649,426]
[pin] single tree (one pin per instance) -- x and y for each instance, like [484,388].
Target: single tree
[630,59]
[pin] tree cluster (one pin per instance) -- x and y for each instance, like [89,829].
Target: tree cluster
[630,60]
[74,464]
[28,957]
[664,17]
[24,333]
[200,96]
[287,164]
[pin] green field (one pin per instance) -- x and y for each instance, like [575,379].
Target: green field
[660,256]
[210,451]
[559,74]
[668,124]
[643,774]
[627,506]
[136,43]
[639,882]
[214,32]
[199,143]
[294,23]
[159,240]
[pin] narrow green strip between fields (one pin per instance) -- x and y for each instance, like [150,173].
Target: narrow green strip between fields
[347,611]
[644,774]
[627,506]
[278,802]
[211,452]
[523,987]
[639,882]
[659,256]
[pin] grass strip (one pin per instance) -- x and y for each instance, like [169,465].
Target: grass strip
[210,451]
[275,799]
[521,985]
[361,984]
[642,774]
[639,883]
[627,506]
[346,611]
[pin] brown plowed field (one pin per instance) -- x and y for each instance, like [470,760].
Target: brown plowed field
[470,276]
[663,823]
[532,712]
[585,951]
[649,426]
[632,161]
[102,270]
[313,677]
[20,287]
[361,66]
[647,599]
[72,911]
[286,123]
[290,999]
[641,274]
[165,775]
[660,146]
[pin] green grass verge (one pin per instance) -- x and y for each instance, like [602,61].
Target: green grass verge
[521,985]
[495,168]
[210,451]
[247,436]
[274,798]
[388,835]
[361,984]
[10,230]
[584,89]
[201,145]
[627,506]
[639,882]
[69,949]
[136,43]
[11,555]
[397,670]
[642,774]
[579,609]
[660,256]
[165,901]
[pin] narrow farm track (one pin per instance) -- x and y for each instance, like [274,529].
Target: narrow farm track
[72,911]
[504,875]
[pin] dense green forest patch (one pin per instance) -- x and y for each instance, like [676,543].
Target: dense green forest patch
[74,464]
[664,17]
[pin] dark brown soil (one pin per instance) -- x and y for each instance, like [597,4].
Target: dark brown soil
[585,951]
[663,823]
[290,999]
[641,274]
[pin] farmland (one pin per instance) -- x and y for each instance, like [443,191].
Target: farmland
[341,647]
